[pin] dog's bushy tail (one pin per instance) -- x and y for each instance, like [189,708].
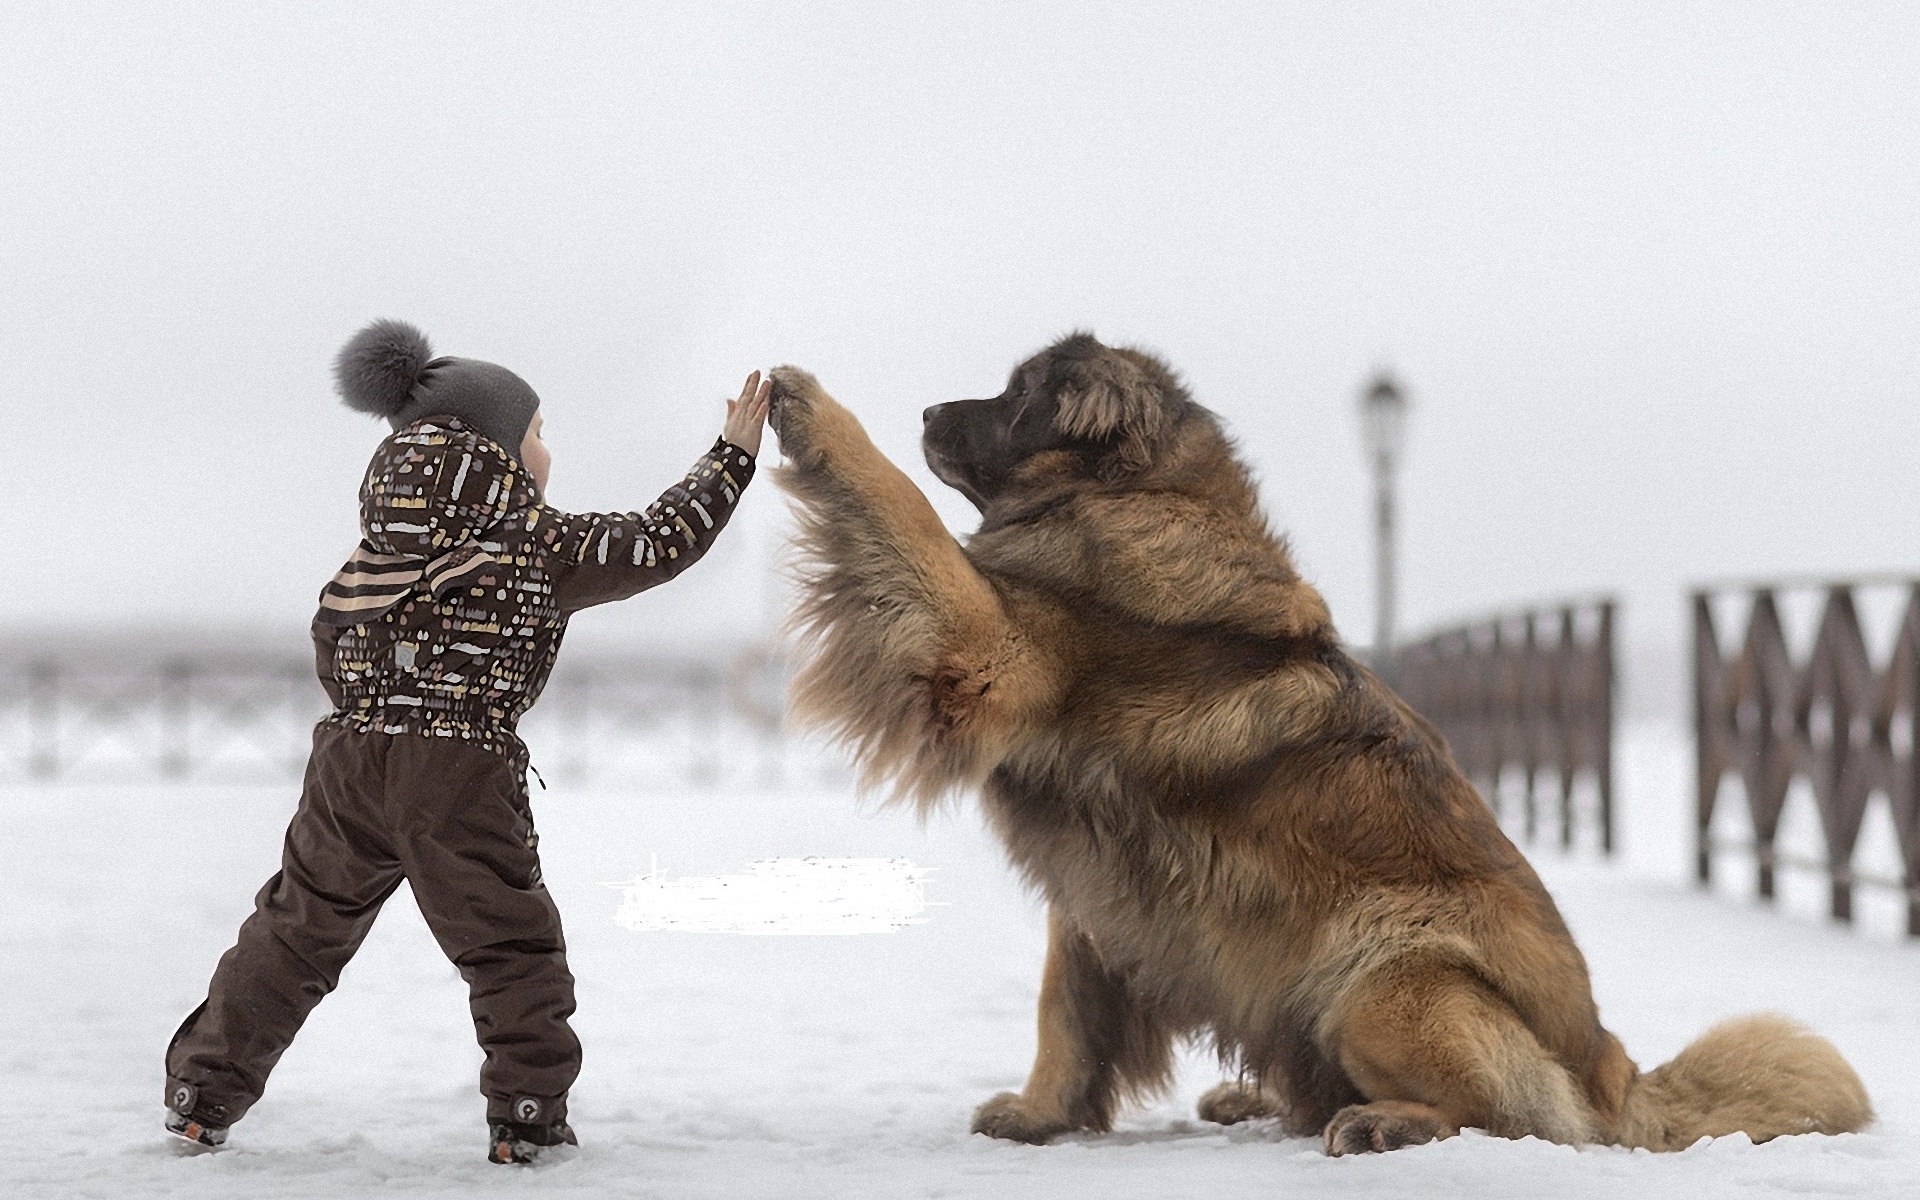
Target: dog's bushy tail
[1763,1075]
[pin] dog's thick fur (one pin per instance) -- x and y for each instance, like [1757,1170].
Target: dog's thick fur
[1240,832]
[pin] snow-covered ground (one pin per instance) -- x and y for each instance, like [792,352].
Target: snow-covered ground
[728,1066]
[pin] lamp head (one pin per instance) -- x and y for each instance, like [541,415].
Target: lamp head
[1383,418]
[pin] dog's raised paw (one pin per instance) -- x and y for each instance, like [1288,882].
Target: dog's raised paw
[794,395]
[1008,1116]
[791,382]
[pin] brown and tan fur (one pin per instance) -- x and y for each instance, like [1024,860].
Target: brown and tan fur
[1239,831]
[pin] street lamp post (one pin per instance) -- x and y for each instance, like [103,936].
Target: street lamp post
[1383,420]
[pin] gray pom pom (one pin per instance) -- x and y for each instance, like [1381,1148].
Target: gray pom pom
[377,368]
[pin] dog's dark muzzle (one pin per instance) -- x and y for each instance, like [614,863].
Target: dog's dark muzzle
[946,445]
[943,434]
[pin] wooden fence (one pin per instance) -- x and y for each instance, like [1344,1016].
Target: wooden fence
[137,710]
[1531,692]
[1835,720]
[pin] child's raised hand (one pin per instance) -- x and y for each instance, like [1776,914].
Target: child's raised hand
[747,416]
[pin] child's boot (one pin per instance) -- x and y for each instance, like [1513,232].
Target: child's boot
[196,1136]
[513,1142]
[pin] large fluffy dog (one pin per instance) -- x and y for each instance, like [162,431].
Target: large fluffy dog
[1239,831]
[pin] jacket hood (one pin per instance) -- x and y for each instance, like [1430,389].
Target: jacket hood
[436,484]
[438,504]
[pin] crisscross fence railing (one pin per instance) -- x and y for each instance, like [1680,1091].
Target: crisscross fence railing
[1834,719]
[1529,692]
[182,708]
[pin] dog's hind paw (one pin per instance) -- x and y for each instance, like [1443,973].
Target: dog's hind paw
[1008,1116]
[1233,1102]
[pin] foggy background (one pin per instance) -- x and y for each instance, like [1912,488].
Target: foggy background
[1648,271]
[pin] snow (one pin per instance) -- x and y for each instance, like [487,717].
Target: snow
[729,1066]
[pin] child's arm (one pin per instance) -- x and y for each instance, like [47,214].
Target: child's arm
[610,556]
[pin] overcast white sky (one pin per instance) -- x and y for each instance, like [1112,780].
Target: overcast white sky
[1650,272]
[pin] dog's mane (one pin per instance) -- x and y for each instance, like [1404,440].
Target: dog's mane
[1181,543]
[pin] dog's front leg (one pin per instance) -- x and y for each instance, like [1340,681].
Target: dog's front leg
[917,660]
[1097,1044]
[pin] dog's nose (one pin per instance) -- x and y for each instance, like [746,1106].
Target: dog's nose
[927,415]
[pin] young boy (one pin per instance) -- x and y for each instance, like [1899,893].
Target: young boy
[432,641]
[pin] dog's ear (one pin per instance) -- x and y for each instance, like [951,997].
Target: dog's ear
[1104,395]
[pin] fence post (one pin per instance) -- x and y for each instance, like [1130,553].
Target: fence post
[1480,672]
[1842,675]
[1520,722]
[1565,690]
[1706,745]
[43,720]
[585,698]
[176,718]
[1903,785]
[1503,707]
[1763,754]
[1603,676]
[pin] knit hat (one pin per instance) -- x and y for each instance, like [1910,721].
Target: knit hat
[388,369]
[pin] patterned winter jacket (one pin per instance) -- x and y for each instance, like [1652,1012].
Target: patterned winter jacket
[447,619]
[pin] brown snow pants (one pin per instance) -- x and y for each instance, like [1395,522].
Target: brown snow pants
[377,808]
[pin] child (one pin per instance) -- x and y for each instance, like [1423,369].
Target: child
[432,641]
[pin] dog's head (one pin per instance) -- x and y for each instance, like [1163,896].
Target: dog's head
[1077,411]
